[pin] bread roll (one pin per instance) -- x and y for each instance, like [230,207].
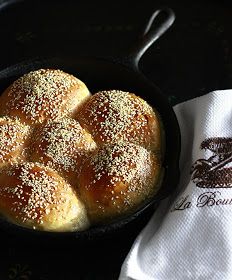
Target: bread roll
[13,136]
[41,95]
[35,196]
[69,160]
[63,145]
[117,179]
[111,116]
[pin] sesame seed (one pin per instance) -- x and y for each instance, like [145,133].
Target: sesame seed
[64,143]
[128,171]
[118,116]
[12,136]
[43,94]
[39,191]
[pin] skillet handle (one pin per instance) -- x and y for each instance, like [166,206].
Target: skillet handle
[150,35]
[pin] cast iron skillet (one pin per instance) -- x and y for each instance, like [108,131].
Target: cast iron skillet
[123,74]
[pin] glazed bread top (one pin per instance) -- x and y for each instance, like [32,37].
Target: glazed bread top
[37,197]
[13,140]
[116,115]
[63,145]
[116,179]
[42,95]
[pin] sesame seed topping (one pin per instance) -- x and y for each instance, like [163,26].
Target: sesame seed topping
[123,162]
[65,143]
[36,191]
[42,94]
[116,115]
[12,136]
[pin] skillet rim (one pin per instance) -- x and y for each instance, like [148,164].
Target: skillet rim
[98,231]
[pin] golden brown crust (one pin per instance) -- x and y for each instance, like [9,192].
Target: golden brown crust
[13,140]
[35,196]
[43,94]
[117,179]
[63,145]
[112,116]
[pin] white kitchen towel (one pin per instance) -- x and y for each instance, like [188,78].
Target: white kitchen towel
[190,235]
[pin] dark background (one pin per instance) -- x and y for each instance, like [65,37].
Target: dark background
[192,58]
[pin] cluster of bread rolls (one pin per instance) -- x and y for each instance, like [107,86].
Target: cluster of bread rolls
[69,159]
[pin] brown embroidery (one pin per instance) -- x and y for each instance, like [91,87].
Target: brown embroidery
[215,171]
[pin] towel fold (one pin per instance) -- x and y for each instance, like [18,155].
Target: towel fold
[190,235]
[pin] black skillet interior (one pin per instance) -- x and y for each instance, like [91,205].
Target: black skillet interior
[100,74]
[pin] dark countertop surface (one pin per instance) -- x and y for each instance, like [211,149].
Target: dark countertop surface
[192,58]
